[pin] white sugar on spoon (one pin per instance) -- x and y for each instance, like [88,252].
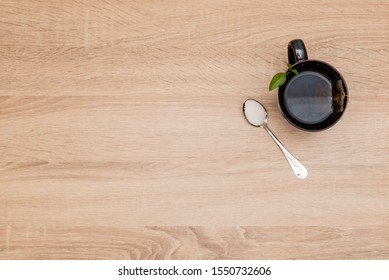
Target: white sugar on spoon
[254,112]
[256,115]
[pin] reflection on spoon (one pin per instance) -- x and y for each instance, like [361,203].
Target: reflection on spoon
[256,115]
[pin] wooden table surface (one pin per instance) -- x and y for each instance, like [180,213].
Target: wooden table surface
[122,134]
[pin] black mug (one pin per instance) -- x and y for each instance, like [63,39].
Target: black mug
[316,98]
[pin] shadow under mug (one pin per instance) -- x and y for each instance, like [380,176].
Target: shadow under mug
[317,97]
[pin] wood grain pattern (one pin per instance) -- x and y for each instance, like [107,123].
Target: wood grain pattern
[122,135]
[198,242]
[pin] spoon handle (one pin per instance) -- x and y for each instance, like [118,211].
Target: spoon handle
[299,170]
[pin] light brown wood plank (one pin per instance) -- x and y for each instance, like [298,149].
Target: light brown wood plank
[196,242]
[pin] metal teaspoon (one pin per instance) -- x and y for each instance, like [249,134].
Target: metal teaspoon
[256,114]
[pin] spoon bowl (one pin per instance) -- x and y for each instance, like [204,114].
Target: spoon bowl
[255,113]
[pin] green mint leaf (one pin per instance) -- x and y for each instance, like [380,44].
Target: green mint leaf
[278,80]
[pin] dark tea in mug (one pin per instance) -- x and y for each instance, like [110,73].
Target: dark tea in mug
[316,98]
[308,97]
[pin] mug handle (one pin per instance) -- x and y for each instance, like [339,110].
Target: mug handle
[297,51]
